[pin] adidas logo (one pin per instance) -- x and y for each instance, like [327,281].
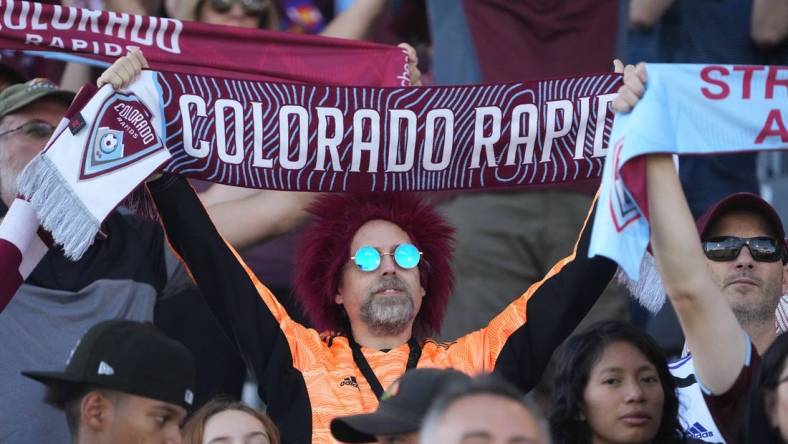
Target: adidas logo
[350,380]
[697,431]
[105,369]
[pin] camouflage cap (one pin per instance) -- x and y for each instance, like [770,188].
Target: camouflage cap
[22,94]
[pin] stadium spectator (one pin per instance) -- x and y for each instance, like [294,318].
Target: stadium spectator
[378,313]
[401,411]
[751,280]
[743,32]
[767,417]
[124,275]
[125,382]
[485,409]
[612,384]
[382,316]
[229,422]
[243,13]
[120,276]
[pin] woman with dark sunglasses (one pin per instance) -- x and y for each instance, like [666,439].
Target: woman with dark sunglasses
[243,13]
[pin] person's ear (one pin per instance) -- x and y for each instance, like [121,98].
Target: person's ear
[338,298]
[95,411]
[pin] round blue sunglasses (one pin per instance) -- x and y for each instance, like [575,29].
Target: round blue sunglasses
[368,258]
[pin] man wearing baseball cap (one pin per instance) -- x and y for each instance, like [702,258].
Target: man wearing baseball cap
[48,301]
[48,306]
[29,114]
[724,293]
[401,410]
[752,282]
[125,382]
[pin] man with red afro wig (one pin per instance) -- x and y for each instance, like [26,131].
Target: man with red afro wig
[374,276]
[323,275]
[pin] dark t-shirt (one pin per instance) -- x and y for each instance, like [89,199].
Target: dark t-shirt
[133,250]
[525,40]
[542,39]
[728,409]
[718,31]
[119,277]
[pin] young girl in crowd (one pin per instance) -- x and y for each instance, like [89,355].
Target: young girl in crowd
[767,420]
[232,421]
[612,385]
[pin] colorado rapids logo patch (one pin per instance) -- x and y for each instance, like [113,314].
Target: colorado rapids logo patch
[121,135]
[623,209]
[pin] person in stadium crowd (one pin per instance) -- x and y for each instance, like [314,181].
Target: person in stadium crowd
[227,421]
[374,271]
[125,382]
[485,409]
[613,385]
[736,252]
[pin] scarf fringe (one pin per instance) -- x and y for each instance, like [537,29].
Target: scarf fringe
[648,289]
[59,209]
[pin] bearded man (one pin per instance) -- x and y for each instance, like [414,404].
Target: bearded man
[373,274]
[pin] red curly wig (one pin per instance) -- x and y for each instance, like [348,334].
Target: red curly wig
[325,248]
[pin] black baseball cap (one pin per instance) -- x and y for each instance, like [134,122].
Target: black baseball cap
[129,357]
[401,409]
[20,95]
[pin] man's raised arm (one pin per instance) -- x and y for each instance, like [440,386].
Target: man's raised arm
[712,332]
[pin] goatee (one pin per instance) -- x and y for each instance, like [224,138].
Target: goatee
[388,315]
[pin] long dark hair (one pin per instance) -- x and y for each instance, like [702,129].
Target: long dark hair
[575,360]
[758,429]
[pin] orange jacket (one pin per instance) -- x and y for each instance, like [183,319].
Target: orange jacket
[307,379]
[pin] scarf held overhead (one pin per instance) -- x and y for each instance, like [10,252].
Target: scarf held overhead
[199,48]
[316,138]
[687,109]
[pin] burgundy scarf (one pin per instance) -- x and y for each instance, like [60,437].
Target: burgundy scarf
[322,138]
[199,48]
